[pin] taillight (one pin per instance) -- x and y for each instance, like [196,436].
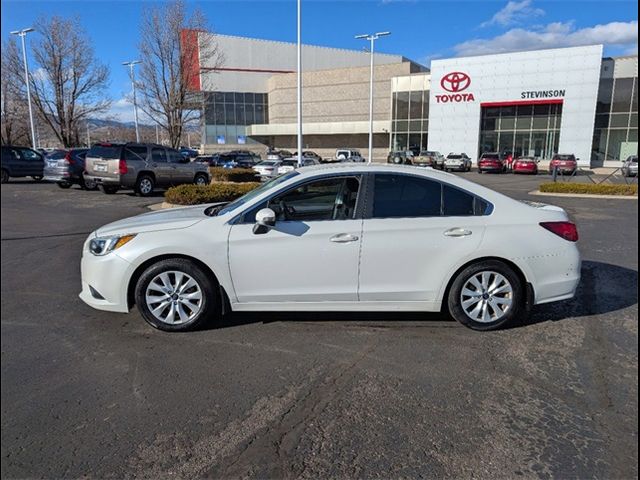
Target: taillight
[566,230]
[122,166]
[68,160]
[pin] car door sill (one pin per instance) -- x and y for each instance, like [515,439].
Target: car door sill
[387,306]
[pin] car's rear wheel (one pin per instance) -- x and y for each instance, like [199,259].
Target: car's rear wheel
[145,185]
[88,184]
[4,176]
[109,189]
[176,295]
[487,295]
[201,179]
[64,185]
[37,178]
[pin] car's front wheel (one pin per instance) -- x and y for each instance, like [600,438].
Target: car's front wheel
[487,295]
[176,295]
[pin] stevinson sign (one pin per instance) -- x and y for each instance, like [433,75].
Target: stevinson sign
[455,83]
[539,94]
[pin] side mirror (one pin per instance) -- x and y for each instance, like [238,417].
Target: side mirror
[265,220]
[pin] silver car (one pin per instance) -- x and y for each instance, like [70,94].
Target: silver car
[630,166]
[142,167]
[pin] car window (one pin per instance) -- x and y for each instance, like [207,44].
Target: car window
[29,155]
[105,151]
[454,157]
[397,196]
[175,156]
[56,155]
[158,155]
[132,152]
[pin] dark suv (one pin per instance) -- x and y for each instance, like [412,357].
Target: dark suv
[21,162]
[141,166]
[239,159]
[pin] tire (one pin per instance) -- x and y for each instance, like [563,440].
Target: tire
[397,160]
[37,178]
[204,297]
[480,171]
[109,189]
[482,315]
[145,185]
[87,184]
[201,179]
[4,176]
[64,185]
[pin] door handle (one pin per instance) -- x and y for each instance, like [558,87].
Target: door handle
[458,232]
[343,238]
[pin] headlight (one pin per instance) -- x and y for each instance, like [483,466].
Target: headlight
[103,245]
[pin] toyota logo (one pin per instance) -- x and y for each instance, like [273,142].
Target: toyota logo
[455,82]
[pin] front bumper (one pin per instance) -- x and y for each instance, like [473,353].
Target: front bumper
[105,280]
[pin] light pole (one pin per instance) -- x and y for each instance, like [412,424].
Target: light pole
[299,87]
[22,34]
[132,64]
[372,38]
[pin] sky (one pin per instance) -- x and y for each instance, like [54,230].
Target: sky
[421,30]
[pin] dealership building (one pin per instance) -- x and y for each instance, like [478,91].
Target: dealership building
[565,100]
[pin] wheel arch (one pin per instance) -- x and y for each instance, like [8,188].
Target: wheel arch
[133,280]
[530,293]
[150,173]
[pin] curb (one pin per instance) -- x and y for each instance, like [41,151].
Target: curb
[163,206]
[584,195]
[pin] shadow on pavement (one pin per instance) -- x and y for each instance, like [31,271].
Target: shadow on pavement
[604,288]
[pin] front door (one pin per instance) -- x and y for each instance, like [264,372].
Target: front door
[182,169]
[161,166]
[419,228]
[311,255]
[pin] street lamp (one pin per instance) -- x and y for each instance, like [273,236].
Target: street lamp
[372,38]
[22,34]
[299,88]
[132,64]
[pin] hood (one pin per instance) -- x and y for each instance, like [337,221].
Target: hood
[170,219]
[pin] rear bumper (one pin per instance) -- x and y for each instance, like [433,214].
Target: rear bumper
[490,168]
[109,181]
[455,167]
[557,275]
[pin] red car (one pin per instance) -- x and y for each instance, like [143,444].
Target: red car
[525,165]
[491,162]
[564,163]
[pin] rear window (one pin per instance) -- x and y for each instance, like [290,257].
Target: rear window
[105,151]
[564,157]
[57,155]
[454,157]
[491,156]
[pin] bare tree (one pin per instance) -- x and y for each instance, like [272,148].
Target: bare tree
[68,85]
[15,124]
[171,59]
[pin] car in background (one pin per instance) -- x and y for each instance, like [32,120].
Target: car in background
[291,164]
[278,154]
[318,239]
[436,158]
[630,166]
[267,168]
[525,165]
[457,161]
[141,166]
[565,163]
[239,159]
[66,168]
[492,162]
[308,154]
[348,155]
[400,157]
[21,162]
[189,152]
[212,160]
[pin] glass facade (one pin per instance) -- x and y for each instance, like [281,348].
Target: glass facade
[521,129]
[410,120]
[616,124]
[227,115]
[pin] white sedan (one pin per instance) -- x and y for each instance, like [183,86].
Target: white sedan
[346,237]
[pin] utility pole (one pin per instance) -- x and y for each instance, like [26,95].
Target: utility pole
[372,38]
[299,87]
[22,34]
[132,64]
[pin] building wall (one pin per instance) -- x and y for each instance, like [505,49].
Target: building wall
[455,126]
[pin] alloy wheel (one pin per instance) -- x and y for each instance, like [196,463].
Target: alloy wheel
[174,298]
[146,186]
[486,297]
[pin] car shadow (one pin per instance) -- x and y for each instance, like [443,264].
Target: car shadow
[604,288]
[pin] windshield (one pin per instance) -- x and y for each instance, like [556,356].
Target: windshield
[253,194]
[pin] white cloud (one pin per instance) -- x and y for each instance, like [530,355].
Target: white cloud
[553,35]
[514,13]
[121,110]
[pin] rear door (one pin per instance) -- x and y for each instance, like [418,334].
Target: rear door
[415,230]
[103,160]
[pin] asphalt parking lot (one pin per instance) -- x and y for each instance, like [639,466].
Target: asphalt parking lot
[88,393]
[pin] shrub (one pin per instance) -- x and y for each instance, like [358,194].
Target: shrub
[216,192]
[219,174]
[589,188]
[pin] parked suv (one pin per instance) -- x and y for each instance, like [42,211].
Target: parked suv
[492,162]
[348,155]
[21,162]
[457,161]
[66,167]
[565,163]
[239,159]
[630,166]
[401,157]
[141,166]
